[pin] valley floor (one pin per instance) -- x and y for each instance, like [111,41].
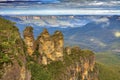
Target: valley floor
[109,65]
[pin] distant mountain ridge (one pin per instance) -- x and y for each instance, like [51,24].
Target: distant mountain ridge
[97,36]
[97,33]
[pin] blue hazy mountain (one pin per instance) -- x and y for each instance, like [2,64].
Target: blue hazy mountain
[98,36]
[98,33]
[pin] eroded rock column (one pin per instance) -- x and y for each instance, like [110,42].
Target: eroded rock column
[29,40]
[46,46]
[58,44]
[50,47]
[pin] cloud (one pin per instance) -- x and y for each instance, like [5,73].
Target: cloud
[77,7]
[104,3]
[61,12]
[52,21]
[98,42]
[104,19]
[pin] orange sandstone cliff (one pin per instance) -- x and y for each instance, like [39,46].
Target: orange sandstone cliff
[62,63]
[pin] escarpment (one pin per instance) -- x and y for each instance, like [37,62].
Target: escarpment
[76,64]
[45,58]
[12,54]
[80,64]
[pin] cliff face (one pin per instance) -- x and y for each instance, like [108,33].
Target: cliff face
[81,64]
[78,64]
[53,61]
[12,57]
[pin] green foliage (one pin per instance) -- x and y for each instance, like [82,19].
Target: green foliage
[108,73]
[10,40]
[76,55]
[109,58]
[7,31]
[56,70]
[4,58]
[108,65]
[39,72]
[47,72]
[11,47]
[36,53]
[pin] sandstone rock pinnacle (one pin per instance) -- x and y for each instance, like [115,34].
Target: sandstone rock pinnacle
[50,47]
[29,39]
[59,43]
[46,45]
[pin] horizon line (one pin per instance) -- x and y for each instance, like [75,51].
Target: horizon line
[60,12]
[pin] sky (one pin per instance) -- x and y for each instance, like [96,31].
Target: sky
[60,7]
[32,0]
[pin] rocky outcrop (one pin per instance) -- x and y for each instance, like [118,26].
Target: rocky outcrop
[83,67]
[50,47]
[67,50]
[29,40]
[58,44]
[12,53]
[78,64]
[46,46]
[57,62]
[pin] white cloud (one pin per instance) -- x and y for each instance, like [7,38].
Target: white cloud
[98,42]
[52,21]
[61,12]
[104,3]
[65,23]
[63,8]
[104,19]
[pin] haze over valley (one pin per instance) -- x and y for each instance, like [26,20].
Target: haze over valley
[93,32]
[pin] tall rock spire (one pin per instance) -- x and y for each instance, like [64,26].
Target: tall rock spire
[29,39]
[46,46]
[58,44]
[50,47]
